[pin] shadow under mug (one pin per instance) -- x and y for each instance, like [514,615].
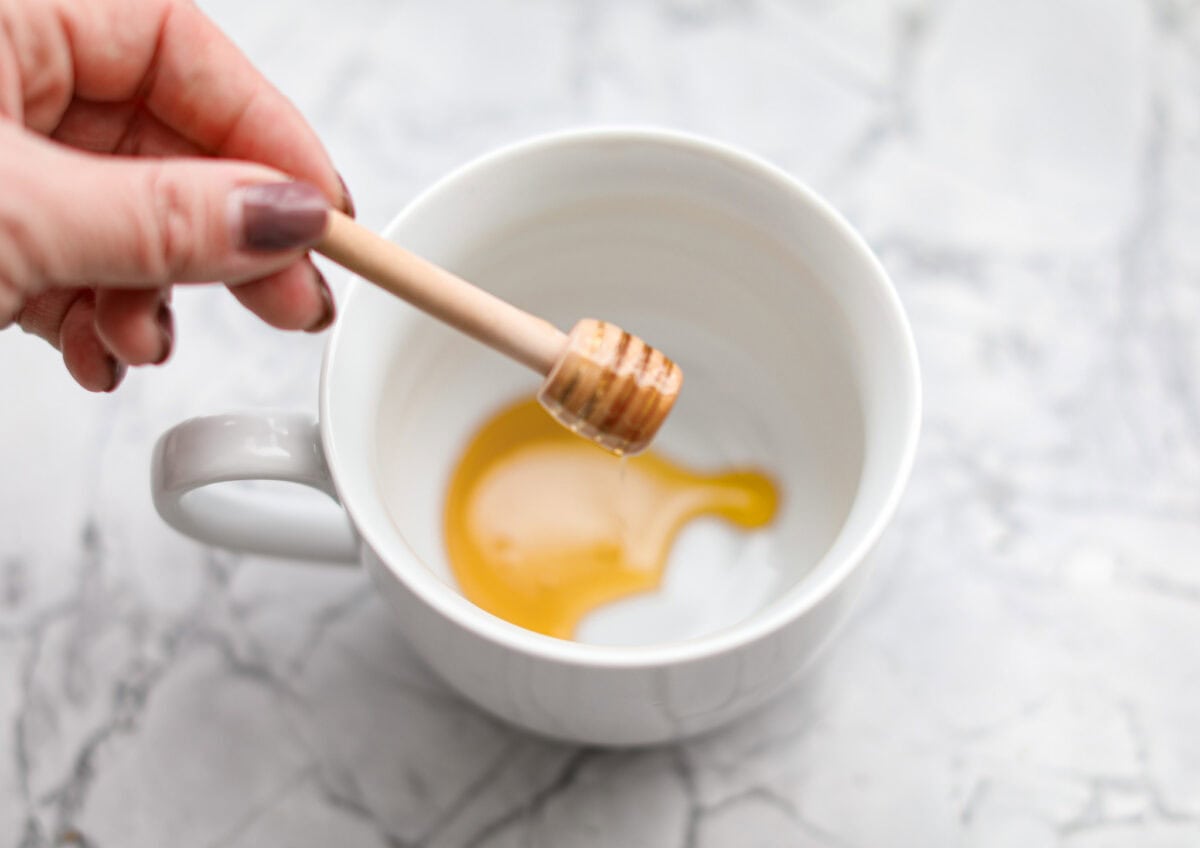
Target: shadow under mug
[796,354]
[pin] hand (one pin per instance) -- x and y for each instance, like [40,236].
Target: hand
[187,166]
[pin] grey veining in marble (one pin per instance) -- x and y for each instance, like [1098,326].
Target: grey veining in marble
[1025,669]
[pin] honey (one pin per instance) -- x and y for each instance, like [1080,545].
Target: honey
[542,527]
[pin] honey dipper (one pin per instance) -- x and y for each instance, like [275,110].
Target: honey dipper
[600,381]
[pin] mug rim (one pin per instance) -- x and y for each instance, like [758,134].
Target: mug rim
[801,598]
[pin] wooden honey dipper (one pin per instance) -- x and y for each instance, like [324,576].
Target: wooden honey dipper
[600,381]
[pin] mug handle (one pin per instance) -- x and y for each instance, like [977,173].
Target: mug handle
[199,452]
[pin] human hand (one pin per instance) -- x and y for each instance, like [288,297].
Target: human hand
[187,166]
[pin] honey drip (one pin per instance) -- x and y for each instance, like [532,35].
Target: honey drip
[542,527]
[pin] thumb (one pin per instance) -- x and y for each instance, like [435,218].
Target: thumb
[89,219]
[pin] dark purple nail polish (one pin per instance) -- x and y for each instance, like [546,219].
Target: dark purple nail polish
[330,312]
[166,327]
[280,216]
[347,200]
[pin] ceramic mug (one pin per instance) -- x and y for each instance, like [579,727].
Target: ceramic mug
[798,358]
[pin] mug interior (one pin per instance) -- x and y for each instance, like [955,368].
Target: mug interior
[795,354]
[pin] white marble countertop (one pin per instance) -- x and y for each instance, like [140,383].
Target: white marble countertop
[1025,668]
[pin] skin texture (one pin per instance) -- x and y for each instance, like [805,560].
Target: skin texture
[126,130]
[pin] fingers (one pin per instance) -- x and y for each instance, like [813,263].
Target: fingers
[195,81]
[37,59]
[43,315]
[296,298]
[86,358]
[125,128]
[136,325]
[207,90]
[100,333]
[84,219]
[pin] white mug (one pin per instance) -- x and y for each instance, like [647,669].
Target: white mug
[797,357]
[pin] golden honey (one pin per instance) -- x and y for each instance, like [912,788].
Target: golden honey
[542,527]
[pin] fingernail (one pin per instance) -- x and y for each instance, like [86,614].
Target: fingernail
[330,312]
[117,369]
[347,200]
[279,216]
[166,328]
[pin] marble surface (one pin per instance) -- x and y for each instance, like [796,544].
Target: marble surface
[1025,668]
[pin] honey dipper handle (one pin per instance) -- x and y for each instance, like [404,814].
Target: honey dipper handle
[483,316]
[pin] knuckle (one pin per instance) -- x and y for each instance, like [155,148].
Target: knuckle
[22,264]
[27,260]
[16,263]
[172,241]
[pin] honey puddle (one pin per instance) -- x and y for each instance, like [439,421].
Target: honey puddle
[542,527]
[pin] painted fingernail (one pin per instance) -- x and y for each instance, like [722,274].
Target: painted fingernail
[117,369]
[330,312]
[347,200]
[166,328]
[279,216]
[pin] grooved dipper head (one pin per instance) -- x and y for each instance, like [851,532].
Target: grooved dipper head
[611,387]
